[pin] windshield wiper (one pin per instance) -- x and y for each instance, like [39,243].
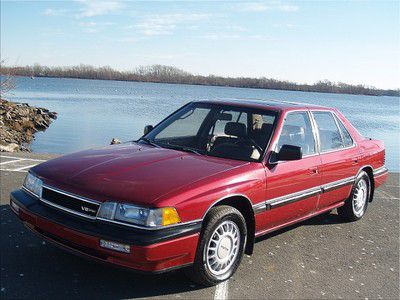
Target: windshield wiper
[150,142]
[187,149]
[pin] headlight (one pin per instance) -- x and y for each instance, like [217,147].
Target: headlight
[138,215]
[33,184]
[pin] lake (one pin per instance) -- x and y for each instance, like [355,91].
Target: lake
[92,112]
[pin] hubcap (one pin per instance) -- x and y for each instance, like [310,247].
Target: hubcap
[360,197]
[222,248]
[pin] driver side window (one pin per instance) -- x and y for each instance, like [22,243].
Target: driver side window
[297,131]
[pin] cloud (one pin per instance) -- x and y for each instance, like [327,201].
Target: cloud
[54,12]
[253,7]
[264,6]
[94,27]
[93,8]
[288,7]
[221,36]
[88,24]
[167,23]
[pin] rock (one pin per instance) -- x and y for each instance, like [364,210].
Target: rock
[9,148]
[19,122]
[52,114]
[115,141]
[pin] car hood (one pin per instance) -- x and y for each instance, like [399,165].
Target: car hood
[130,173]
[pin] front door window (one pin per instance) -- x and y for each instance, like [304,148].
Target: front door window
[297,131]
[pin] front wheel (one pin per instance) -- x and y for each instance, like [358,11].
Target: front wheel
[356,205]
[221,246]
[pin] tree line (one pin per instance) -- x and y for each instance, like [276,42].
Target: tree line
[169,74]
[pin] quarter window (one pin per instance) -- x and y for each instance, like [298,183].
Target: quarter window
[297,131]
[329,134]
[347,139]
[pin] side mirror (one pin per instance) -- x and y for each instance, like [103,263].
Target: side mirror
[289,152]
[147,129]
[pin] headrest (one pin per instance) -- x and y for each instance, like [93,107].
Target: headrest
[292,130]
[266,128]
[236,129]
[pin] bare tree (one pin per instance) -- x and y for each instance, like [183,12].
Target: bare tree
[168,74]
[7,81]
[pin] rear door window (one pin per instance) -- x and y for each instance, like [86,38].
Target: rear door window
[329,134]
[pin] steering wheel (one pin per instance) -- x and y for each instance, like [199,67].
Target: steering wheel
[249,139]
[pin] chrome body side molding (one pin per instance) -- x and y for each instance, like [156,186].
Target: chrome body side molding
[380,171]
[301,195]
[337,184]
[290,198]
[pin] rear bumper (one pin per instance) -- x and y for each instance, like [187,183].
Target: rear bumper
[380,176]
[150,250]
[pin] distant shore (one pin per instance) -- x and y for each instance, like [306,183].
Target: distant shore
[168,74]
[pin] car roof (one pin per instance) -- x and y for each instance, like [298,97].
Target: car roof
[268,104]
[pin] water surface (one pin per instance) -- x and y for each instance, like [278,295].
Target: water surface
[92,112]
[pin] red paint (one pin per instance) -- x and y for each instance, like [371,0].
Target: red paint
[158,177]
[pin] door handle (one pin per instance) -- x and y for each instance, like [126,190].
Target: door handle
[355,162]
[313,171]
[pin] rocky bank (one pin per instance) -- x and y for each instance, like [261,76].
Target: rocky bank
[18,124]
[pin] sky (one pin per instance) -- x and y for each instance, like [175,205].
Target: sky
[356,42]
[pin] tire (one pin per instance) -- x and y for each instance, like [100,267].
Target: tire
[225,230]
[356,205]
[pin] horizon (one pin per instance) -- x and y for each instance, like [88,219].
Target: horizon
[351,42]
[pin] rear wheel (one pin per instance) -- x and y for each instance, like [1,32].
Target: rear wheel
[221,246]
[356,205]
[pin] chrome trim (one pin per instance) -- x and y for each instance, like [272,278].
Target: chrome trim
[279,201]
[337,184]
[67,209]
[99,204]
[28,191]
[71,195]
[260,207]
[149,228]
[297,196]
[380,171]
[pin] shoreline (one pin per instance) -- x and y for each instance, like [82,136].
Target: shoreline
[173,75]
[206,85]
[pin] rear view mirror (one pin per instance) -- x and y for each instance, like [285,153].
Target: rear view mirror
[289,152]
[147,129]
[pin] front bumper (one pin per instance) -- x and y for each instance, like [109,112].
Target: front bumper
[151,250]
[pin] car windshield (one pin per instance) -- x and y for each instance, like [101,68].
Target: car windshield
[231,132]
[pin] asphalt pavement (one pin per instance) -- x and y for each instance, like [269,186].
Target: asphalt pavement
[316,259]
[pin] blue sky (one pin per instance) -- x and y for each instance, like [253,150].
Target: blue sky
[356,42]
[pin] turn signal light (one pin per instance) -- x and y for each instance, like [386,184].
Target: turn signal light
[170,216]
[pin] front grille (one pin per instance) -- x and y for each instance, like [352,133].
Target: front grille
[70,203]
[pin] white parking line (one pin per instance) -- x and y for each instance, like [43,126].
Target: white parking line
[221,291]
[26,167]
[10,161]
[16,164]
[21,158]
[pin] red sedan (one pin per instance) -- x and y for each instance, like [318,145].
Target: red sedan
[197,189]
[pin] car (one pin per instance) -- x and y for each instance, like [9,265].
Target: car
[196,190]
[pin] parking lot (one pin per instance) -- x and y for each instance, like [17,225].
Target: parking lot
[316,259]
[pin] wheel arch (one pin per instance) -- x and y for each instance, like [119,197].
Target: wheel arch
[370,171]
[243,204]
